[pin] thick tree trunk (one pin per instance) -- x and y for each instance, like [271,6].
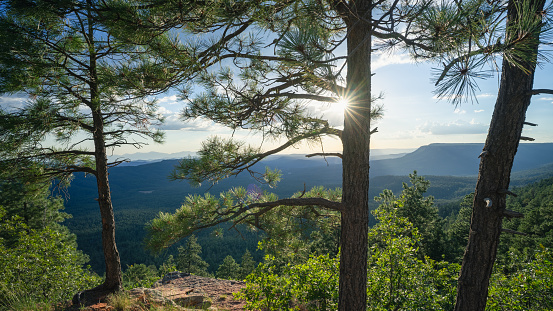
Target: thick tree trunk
[356,147]
[113,281]
[493,179]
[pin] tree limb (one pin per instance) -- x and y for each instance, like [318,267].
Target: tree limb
[541,91]
[324,154]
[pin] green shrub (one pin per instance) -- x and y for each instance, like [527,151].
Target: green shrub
[140,275]
[41,267]
[530,288]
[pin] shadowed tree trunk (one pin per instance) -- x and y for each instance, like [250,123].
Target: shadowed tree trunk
[493,179]
[113,281]
[355,162]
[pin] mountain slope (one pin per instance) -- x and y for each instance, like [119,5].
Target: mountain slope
[140,192]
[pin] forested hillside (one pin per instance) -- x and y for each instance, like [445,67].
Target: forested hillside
[140,192]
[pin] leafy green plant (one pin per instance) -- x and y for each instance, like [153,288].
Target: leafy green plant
[309,286]
[530,288]
[397,278]
[139,275]
[42,266]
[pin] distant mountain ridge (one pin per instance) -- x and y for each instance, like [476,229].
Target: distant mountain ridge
[140,192]
[439,159]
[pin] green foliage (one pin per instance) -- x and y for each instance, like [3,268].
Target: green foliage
[140,275]
[309,286]
[535,202]
[189,260]
[469,37]
[457,231]
[256,209]
[247,265]
[530,288]
[218,159]
[229,269]
[167,266]
[420,211]
[294,233]
[397,278]
[42,265]
[39,260]
[71,70]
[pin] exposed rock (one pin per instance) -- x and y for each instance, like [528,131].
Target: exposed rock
[183,291]
[201,292]
[150,295]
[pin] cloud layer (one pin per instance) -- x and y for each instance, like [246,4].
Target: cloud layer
[454,128]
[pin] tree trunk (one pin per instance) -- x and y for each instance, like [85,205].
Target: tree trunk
[113,281]
[356,147]
[493,179]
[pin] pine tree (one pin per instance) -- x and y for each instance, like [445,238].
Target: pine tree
[420,211]
[247,265]
[87,93]
[229,269]
[514,31]
[258,62]
[189,259]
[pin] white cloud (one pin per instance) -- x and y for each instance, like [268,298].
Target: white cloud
[169,100]
[380,60]
[459,111]
[174,123]
[545,98]
[453,128]
[479,110]
[484,95]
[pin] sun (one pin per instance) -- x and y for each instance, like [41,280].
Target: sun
[341,105]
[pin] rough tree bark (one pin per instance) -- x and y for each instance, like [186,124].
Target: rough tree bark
[355,162]
[493,180]
[113,280]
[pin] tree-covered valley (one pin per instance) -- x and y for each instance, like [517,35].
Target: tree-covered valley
[141,192]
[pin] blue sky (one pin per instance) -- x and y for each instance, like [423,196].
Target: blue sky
[412,115]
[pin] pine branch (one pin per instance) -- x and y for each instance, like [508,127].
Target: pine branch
[305,96]
[398,36]
[454,61]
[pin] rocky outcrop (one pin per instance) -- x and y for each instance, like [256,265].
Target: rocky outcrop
[193,301]
[182,291]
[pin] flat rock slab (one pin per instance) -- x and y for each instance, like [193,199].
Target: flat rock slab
[185,287]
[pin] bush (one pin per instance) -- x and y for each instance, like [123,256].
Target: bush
[531,288]
[309,286]
[140,275]
[41,267]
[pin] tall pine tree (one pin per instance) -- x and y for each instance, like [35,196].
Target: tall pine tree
[87,93]
[259,62]
[513,30]
[189,259]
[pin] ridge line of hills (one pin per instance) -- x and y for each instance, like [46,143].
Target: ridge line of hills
[140,192]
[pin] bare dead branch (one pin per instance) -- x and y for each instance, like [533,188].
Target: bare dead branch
[513,232]
[541,91]
[330,154]
[512,214]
